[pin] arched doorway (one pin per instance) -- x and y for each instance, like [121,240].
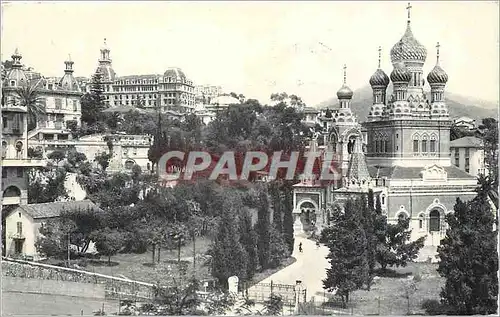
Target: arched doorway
[11,196]
[434,221]
[12,191]
[308,213]
[129,164]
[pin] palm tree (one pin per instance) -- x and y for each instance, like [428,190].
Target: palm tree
[28,96]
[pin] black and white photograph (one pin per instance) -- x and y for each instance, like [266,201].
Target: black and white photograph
[242,158]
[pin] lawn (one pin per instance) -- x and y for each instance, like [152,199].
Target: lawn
[386,296]
[139,266]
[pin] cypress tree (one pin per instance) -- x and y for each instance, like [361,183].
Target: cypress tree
[346,241]
[469,258]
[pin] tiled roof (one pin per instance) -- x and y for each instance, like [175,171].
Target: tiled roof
[54,209]
[468,141]
[399,172]
[357,167]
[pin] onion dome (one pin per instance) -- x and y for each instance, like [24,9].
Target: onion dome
[408,48]
[400,74]
[344,92]
[437,75]
[379,78]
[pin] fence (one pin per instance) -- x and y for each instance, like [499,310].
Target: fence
[260,293]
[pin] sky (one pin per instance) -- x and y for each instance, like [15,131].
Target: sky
[258,48]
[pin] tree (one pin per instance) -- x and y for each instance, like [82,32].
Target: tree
[248,239]
[93,102]
[263,228]
[394,247]
[228,255]
[46,185]
[53,241]
[278,250]
[274,305]
[288,218]
[108,242]
[489,133]
[469,259]
[103,160]
[348,260]
[27,96]
[368,219]
[391,242]
[179,299]
[57,156]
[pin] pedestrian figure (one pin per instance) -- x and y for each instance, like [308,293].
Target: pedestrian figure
[300,247]
[317,244]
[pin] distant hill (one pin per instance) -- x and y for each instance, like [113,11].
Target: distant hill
[458,105]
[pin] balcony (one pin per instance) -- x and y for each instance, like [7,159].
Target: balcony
[11,201]
[21,162]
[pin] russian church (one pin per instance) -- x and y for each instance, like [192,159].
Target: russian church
[402,151]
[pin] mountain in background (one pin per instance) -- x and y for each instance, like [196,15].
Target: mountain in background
[458,105]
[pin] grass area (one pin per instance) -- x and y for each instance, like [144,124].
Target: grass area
[387,295]
[14,303]
[139,266]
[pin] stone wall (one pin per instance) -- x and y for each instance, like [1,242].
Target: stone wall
[52,287]
[114,287]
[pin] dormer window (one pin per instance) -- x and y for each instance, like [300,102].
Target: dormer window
[13,83]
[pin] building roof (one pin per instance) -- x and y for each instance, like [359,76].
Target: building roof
[54,209]
[400,172]
[468,141]
[225,101]
[124,109]
[357,167]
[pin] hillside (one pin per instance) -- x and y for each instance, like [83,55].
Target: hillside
[457,104]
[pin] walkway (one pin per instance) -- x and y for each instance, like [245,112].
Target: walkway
[310,268]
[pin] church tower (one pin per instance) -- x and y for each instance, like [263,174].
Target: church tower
[68,82]
[379,82]
[105,68]
[408,130]
[437,79]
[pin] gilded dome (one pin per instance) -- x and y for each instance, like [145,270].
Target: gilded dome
[437,76]
[408,49]
[344,92]
[379,78]
[400,74]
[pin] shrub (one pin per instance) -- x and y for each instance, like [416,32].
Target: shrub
[433,307]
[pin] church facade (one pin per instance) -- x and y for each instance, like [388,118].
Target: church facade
[402,151]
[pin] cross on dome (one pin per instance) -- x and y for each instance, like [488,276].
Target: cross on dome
[379,55]
[437,53]
[409,11]
[345,68]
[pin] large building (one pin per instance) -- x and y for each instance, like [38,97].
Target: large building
[467,154]
[403,155]
[172,90]
[14,159]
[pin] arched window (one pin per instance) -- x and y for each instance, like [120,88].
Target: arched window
[424,143]
[421,221]
[434,221]
[432,143]
[415,138]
